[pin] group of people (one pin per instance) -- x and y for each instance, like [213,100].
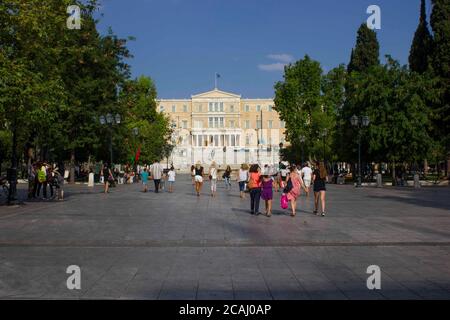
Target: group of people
[153,172]
[262,183]
[291,180]
[42,175]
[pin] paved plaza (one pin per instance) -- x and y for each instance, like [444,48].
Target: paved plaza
[135,245]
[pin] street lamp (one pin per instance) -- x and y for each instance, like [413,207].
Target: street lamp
[323,135]
[360,123]
[135,134]
[302,140]
[110,120]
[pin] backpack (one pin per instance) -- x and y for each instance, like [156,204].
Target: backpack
[289,186]
[42,177]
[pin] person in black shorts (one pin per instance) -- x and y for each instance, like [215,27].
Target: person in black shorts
[319,180]
[107,177]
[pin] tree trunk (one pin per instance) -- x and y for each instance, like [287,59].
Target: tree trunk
[425,168]
[72,167]
[394,181]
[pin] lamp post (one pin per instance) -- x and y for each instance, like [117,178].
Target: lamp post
[302,140]
[257,139]
[110,120]
[323,135]
[135,134]
[360,123]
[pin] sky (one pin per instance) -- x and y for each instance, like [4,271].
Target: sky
[181,44]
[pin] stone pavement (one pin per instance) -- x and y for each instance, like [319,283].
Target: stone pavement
[134,245]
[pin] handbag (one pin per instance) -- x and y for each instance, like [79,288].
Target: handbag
[284,201]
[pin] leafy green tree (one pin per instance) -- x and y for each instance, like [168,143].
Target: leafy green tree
[307,100]
[138,102]
[419,56]
[395,100]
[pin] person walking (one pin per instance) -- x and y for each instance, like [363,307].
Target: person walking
[283,175]
[267,193]
[243,178]
[319,179]
[156,170]
[144,179]
[198,173]
[107,177]
[213,178]
[293,185]
[193,174]
[171,178]
[254,185]
[306,174]
[227,176]
[42,180]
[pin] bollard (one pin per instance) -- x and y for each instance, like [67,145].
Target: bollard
[379,181]
[416,181]
[91,180]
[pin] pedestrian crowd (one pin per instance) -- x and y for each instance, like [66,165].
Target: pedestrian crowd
[261,184]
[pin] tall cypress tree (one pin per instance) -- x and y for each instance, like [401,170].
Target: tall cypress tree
[419,55]
[367,51]
[440,23]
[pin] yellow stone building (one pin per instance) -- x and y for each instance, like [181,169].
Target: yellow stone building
[223,127]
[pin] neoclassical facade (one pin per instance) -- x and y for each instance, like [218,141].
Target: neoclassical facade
[223,127]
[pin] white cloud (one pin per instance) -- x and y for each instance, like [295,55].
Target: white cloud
[282,57]
[272,67]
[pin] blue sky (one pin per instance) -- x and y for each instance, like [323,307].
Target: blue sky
[182,43]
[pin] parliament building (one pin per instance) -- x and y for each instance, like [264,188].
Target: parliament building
[223,127]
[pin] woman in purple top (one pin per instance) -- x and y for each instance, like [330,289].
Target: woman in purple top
[267,193]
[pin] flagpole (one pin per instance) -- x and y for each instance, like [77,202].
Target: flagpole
[215,80]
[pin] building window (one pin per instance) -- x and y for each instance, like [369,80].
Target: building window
[270,124]
[185,108]
[258,124]
[211,123]
[282,124]
[185,124]
[238,140]
[270,108]
[221,122]
[221,107]
[174,109]
[247,108]
[216,106]
[233,140]
[247,139]
[211,106]
[258,108]
[247,124]
[161,108]
[231,108]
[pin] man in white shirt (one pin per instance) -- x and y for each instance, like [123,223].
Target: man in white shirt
[306,174]
[156,170]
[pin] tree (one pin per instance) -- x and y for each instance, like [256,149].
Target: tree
[366,52]
[395,99]
[138,103]
[307,101]
[440,23]
[419,56]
